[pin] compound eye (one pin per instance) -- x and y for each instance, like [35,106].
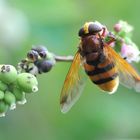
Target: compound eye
[42,54]
[32,55]
[94,28]
[81,32]
[90,28]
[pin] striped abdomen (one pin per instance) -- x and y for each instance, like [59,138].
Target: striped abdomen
[103,74]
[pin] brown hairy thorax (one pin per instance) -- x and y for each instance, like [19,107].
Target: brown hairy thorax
[91,47]
[91,44]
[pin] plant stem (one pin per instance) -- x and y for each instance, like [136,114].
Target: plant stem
[63,58]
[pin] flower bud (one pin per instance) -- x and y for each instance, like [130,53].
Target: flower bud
[8,74]
[27,82]
[123,29]
[117,27]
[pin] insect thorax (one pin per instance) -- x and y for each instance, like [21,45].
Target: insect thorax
[92,49]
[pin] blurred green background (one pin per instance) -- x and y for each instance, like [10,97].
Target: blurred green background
[55,23]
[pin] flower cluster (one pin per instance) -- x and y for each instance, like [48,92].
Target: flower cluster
[13,87]
[14,84]
[124,44]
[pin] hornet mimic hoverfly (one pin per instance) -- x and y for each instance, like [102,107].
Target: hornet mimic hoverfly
[102,64]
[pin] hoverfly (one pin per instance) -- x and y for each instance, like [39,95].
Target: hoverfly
[102,64]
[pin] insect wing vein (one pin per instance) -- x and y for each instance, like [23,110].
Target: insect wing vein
[127,74]
[73,85]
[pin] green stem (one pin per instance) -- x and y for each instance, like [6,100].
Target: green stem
[63,58]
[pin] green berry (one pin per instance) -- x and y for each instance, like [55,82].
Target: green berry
[1,95]
[8,74]
[3,108]
[19,95]
[10,99]
[27,82]
[3,86]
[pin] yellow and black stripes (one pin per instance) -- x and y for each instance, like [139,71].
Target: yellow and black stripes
[105,80]
[99,70]
[102,73]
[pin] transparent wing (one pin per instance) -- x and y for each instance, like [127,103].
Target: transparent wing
[127,74]
[73,85]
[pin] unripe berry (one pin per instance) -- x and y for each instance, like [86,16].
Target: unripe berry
[1,95]
[19,95]
[3,86]
[10,99]
[8,74]
[27,82]
[3,108]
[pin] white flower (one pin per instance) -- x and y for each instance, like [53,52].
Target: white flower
[130,52]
